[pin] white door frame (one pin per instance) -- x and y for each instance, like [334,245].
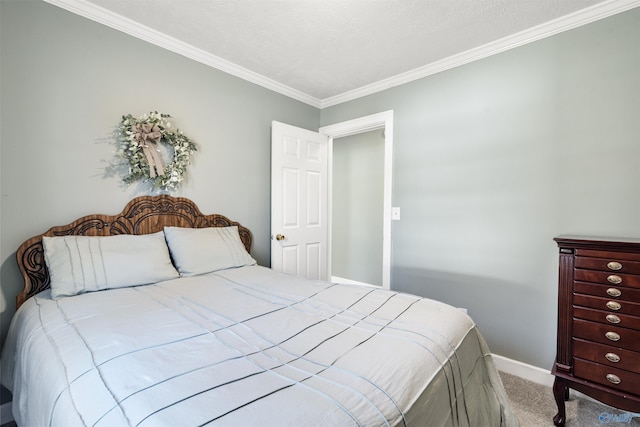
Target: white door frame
[384,121]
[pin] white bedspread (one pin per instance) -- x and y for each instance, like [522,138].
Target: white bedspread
[249,347]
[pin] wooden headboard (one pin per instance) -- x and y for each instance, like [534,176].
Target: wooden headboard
[142,215]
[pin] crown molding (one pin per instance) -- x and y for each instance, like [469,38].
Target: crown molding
[565,23]
[128,26]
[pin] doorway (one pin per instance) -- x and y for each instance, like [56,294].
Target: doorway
[382,122]
[357,208]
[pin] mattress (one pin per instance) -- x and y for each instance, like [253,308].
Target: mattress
[249,347]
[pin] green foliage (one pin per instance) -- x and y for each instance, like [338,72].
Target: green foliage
[132,151]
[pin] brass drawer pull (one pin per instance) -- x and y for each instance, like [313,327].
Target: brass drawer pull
[612,318]
[613,265]
[613,305]
[616,280]
[612,357]
[613,379]
[613,292]
[612,336]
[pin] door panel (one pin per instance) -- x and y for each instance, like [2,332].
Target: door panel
[290,192]
[290,260]
[299,200]
[314,191]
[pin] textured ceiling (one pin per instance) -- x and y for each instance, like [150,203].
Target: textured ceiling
[324,48]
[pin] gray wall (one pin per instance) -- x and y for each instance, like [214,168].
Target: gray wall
[66,81]
[495,158]
[357,206]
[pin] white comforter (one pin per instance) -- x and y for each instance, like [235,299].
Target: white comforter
[249,347]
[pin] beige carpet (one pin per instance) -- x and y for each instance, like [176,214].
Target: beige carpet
[535,407]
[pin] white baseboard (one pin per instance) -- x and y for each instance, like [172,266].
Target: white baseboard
[523,370]
[531,373]
[336,279]
[6,415]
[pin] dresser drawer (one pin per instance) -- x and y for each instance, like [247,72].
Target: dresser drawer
[607,317]
[607,278]
[612,264]
[611,305]
[607,291]
[615,378]
[606,334]
[616,255]
[607,355]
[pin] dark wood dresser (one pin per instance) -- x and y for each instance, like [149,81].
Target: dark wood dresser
[598,350]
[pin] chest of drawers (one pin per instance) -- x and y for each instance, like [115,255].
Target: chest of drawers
[598,347]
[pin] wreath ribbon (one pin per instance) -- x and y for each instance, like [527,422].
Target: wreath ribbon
[148,135]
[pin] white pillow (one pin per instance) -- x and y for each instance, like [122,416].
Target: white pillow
[204,250]
[79,264]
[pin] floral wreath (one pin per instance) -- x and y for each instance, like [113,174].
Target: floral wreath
[140,139]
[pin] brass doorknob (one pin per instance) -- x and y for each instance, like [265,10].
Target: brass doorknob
[279,237]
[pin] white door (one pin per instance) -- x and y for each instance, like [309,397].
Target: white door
[299,199]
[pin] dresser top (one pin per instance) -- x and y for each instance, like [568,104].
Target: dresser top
[630,244]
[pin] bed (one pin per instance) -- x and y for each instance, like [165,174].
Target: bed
[159,316]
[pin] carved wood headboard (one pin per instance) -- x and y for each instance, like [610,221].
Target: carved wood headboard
[142,215]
